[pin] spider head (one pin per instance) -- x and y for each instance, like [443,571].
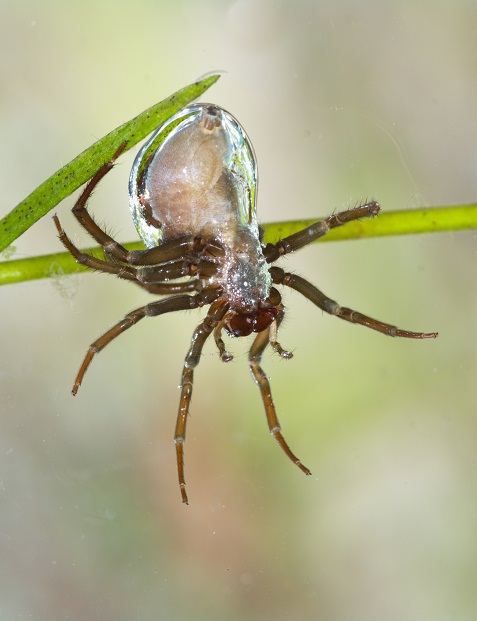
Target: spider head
[243,324]
[245,321]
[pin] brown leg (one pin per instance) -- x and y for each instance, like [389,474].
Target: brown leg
[81,213]
[311,233]
[223,353]
[175,249]
[202,332]
[254,358]
[122,271]
[328,305]
[168,288]
[130,273]
[274,344]
[172,304]
[200,268]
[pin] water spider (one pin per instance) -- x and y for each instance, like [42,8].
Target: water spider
[192,193]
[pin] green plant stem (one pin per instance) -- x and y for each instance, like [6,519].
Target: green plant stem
[429,220]
[67,179]
[408,222]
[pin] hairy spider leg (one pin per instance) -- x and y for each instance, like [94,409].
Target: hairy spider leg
[178,248]
[113,248]
[318,229]
[214,317]
[274,344]
[124,271]
[153,309]
[224,355]
[328,305]
[254,358]
[172,270]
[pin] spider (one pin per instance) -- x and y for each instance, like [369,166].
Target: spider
[192,195]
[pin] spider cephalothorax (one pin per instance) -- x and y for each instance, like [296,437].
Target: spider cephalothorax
[192,194]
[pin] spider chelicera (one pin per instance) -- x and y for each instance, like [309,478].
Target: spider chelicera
[192,195]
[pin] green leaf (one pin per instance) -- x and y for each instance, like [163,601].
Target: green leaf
[428,220]
[67,179]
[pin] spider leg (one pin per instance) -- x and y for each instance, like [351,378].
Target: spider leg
[160,307]
[201,333]
[168,288]
[82,215]
[254,358]
[274,344]
[328,305]
[122,271]
[318,229]
[142,276]
[175,249]
[176,269]
[223,353]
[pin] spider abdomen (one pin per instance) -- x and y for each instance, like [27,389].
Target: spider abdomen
[197,175]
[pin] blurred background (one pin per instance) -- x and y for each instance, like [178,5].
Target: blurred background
[342,101]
